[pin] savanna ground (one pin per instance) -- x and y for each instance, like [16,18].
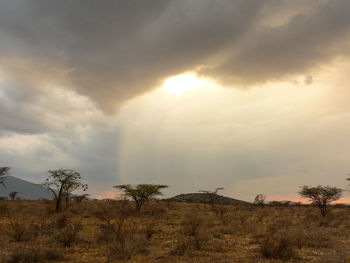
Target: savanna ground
[111,231]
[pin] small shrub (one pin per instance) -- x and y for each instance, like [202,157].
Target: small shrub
[68,235]
[336,256]
[32,230]
[196,230]
[135,244]
[192,224]
[276,241]
[276,246]
[220,212]
[17,230]
[25,256]
[31,255]
[111,230]
[182,245]
[61,220]
[318,238]
[149,229]
[4,209]
[200,239]
[52,254]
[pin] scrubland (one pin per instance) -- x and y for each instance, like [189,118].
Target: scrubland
[111,231]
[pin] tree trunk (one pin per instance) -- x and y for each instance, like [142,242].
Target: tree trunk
[138,206]
[58,204]
[58,200]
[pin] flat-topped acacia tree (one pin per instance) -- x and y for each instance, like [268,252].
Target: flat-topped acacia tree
[141,193]
[321,196]
[62,183]
[212,196]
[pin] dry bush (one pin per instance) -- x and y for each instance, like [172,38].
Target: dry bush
[195,228]
[276,241]
[111,226]
[33,230]
[182,246]
[24,256]
[121,231]
[111,230]
[32,255]
[149,229]
[61,220]
[17,230]
[126,248]
[278,245]
[221,212]
[336,256]
[154,209]
[185,244]
[192,224]
[316,237]
[217,245]
[4,209]
[67,236]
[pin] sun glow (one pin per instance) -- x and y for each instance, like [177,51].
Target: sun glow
[183,83]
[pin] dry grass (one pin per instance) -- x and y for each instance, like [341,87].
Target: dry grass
[111,231]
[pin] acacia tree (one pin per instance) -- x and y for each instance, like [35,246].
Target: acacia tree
[321,196]
[62,183]
[3,172]
[260,200]
[141,193]
[212,195]
[13,195]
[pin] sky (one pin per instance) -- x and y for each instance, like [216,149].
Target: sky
[251,96]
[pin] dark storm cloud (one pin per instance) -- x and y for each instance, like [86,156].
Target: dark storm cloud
[112,51]
[306,41]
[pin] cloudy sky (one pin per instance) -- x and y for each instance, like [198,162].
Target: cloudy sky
[197,94]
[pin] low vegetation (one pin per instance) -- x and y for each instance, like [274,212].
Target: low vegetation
[113,231]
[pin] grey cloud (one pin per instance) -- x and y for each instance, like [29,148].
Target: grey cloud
[17,110]
[95,157]
[306,41]
[115,50]
[32,110]
[112,51]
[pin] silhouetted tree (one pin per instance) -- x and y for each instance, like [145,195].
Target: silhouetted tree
[260,200]
[62,183]
[212,195]
[321,196]
[141,193]
[3,172]
[13,195]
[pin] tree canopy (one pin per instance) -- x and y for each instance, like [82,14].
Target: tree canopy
[321,196]
[62,183]
[141,193]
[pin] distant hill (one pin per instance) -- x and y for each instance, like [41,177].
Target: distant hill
[26,190]
[204,198]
